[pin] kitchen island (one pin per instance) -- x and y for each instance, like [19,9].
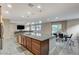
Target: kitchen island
[38,45]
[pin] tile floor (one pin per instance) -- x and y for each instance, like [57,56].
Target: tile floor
[63,48]
[10,47]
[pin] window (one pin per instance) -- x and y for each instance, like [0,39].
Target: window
[35,27]
[27,28]
[38,34]
[56,28]
[32,27]
[33,33]
[38,27]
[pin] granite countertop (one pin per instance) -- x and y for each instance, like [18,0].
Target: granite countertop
[41,37]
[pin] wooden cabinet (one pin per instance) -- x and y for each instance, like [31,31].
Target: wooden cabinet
[45,47]
[25,42]
[29,43]
[40,47]
[19,40]
[22,40]
[37,47]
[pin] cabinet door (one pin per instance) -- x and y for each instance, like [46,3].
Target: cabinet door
[45,47]
[29,43]
[36,47]
[25,42]
[19,39]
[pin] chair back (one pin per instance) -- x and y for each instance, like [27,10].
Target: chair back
[71,35]
[61,35]
[55,34]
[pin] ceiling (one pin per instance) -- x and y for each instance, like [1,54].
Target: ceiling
[25,12]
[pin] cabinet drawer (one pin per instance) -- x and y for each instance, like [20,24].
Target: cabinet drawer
[28,47]
[25,42]
[29,43]
[36,41]
[36,46]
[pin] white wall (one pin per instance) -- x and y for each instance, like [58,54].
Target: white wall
[8,29]
[46,28]
[73,28]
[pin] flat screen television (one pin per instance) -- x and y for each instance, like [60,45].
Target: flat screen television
[20,27]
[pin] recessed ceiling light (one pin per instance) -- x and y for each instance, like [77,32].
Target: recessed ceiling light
[29,13]
[38,6]
[9,5]
[33,23]
[40,21]
[56,17]
[22,16]
[6,12]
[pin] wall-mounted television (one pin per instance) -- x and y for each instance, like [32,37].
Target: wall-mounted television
[20,27]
